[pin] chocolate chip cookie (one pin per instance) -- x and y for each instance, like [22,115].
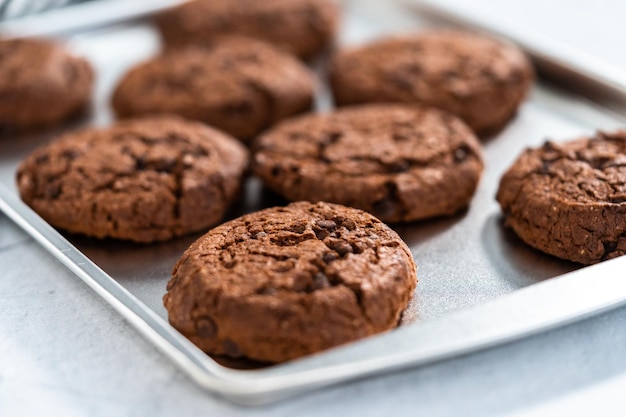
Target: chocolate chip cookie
[399,162]
[301,27]
[239,86]
[289,281]
[481,80]
[40,83]
[142,180]
[569,199]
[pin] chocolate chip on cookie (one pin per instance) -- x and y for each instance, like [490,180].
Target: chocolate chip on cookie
[40,83]
[301,27]
[142,180]
[239,86]
[569,199]
[479,79]
[289,281]
[399,162]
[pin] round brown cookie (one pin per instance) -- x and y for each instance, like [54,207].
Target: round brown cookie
[399,162]
[289,281]
[301,27]
[569,199]
[142,180]
[239,86]
[478,79]
[40,83]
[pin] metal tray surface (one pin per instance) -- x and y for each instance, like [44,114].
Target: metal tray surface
[479,284]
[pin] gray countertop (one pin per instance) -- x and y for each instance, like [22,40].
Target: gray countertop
[64,352]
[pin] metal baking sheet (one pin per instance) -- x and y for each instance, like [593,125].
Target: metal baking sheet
[479,285]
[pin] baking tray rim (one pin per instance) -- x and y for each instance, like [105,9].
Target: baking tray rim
[456,333]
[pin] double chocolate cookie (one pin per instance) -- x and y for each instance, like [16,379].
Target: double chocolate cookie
[481,80]
[301,27]
[40,83]
[569,199]
[237,85]
[289,281]
[399,162]
[142,180]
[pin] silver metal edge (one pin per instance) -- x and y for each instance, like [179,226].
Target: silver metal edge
[82,16]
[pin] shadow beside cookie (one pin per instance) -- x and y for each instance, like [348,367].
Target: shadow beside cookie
[418,232]
[516,261]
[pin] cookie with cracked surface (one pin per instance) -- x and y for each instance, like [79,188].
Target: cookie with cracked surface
[141,180]
[301,27]
[289,281]
[400,163]
[239,86]
[479,79]
[40,83]
[569,199]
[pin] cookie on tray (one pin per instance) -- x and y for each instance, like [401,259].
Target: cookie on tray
[140,180]
[40,83]
[398,162]
[481,80]
[237,85]
[289,281]
[569,199]
[301,27]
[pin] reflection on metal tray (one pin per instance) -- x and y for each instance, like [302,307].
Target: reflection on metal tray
[479,285]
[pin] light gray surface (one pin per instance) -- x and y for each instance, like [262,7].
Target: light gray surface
[62,350]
